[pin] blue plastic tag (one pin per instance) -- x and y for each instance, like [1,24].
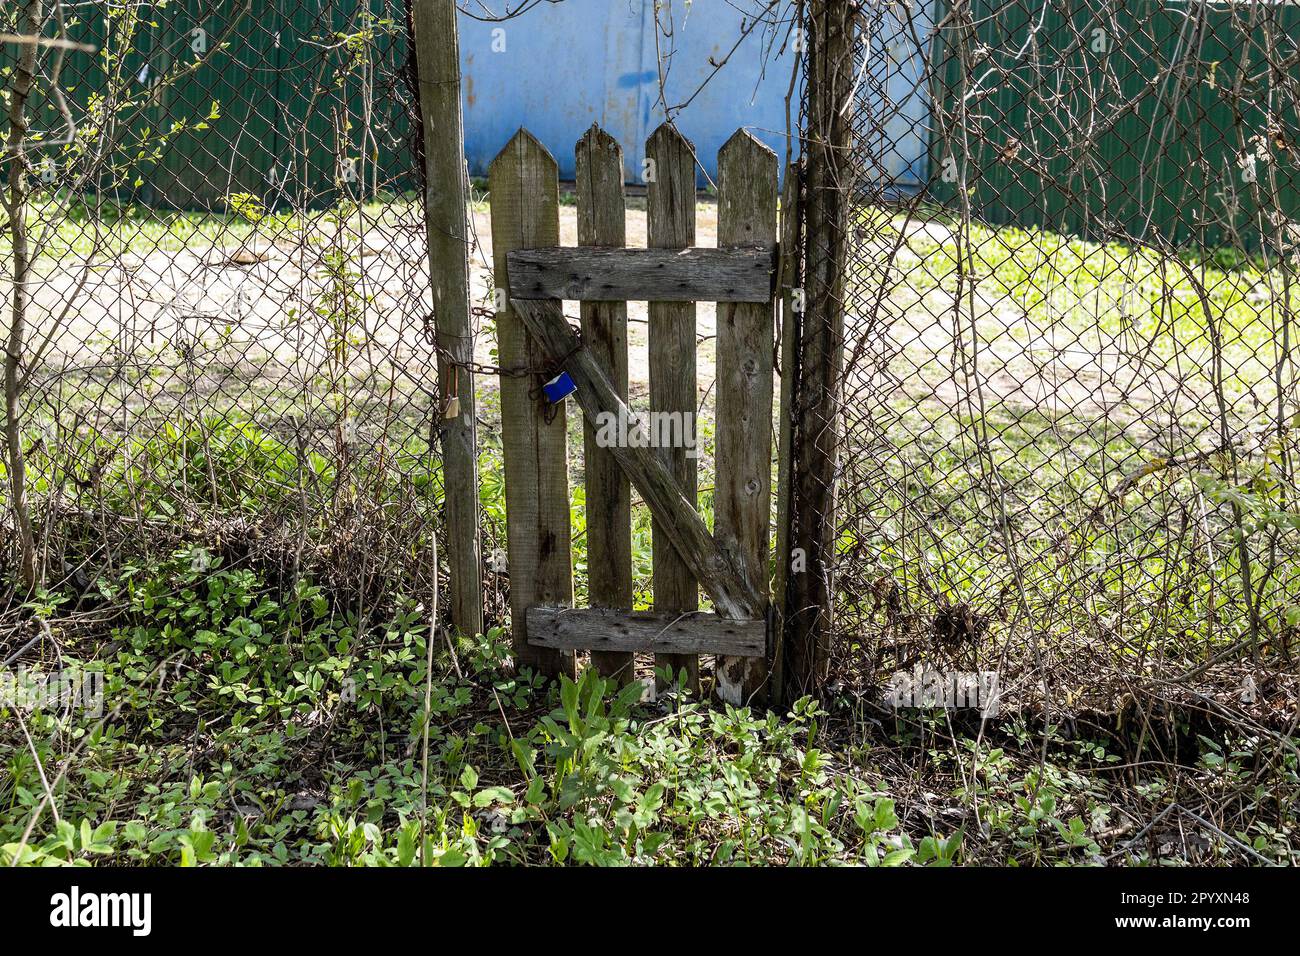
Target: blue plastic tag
[559,388]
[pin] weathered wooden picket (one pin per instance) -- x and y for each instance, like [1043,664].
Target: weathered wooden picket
[535,344]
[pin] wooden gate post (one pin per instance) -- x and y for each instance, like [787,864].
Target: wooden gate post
[446,228]
[670,222]
[807,617]
[743,488]
[524,183]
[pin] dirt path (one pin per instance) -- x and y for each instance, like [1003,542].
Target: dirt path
[284,313]
[706,226]
[283,303]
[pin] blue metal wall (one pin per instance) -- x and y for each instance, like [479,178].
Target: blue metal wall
[894,123]
[561,67]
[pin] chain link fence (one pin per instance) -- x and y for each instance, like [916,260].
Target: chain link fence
[1065,420]
[224,344]
[1069,397]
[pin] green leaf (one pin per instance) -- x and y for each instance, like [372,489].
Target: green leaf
[485,798]
[135,832]
[569,699]
[897,857]
[406,844]
[452,857]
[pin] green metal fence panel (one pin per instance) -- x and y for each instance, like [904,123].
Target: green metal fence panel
[345,124]
[81,75]
[105,104]
[1143,105]
[223,118]
[293,102]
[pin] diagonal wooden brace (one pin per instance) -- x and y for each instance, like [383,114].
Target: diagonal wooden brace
[732,595]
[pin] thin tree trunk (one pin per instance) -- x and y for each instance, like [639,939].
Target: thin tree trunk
[24,75]
[807,618]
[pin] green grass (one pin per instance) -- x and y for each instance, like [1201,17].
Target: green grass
[1172,304]
[303,742]
[102,228]
[1004,506]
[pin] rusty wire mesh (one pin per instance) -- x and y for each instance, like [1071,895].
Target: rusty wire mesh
[1067,411]
[1069,400]
[226,345]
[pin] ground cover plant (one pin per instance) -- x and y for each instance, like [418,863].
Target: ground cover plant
[260,708]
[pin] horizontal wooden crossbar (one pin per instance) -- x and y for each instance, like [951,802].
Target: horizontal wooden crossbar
[592,274]
[688,632]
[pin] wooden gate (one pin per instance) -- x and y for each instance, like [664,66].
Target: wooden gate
[534,274]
